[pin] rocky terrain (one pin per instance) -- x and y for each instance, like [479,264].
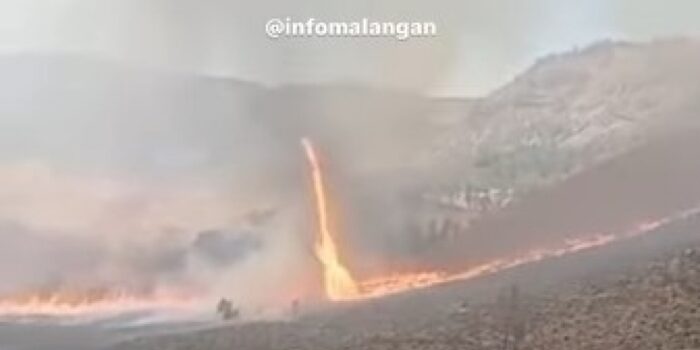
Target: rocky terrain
[639,294]
[658,308]
[568,112]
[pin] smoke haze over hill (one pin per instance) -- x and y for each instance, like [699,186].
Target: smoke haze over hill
[151,168]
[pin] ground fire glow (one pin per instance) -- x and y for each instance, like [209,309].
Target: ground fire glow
[338,281]
[340,285]
[90,301]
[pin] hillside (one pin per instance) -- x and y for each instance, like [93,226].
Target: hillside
[647,298]
[567,113]
[570,111]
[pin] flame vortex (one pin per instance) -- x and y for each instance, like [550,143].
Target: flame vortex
[341,286]
[338,282]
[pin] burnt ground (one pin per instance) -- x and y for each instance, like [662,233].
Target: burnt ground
[617,296]
[608,298]
[32,336]
[627,295]
[643,293]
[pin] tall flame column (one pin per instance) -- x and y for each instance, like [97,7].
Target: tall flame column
[338,282]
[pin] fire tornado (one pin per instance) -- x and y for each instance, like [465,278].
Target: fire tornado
[338,282]
[340,285]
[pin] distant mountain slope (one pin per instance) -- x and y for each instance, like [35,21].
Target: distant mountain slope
[565,114]
[76,112]
[63,104]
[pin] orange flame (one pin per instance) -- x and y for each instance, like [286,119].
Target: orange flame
[340,285]
[338,281]
[90,301]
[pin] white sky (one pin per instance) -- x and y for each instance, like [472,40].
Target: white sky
[481,43]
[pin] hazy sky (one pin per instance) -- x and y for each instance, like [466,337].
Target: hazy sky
[481,43]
